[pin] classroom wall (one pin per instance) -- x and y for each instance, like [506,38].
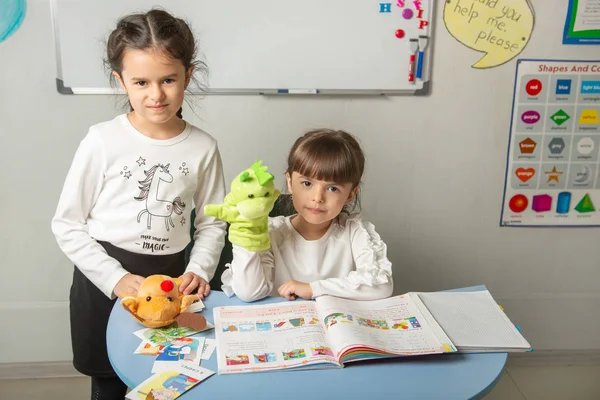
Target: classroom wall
[433,185]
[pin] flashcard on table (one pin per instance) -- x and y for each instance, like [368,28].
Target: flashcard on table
[196,307]
[209,348]
[161,336]
[186,350]
[170,384]
[148,348]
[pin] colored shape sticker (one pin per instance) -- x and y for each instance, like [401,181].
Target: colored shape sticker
[399,33]
[563,86]
[12,14]
[590,87]
[533,87]
[560,117]
[541,203]
[527,146]
[585,205]
[518,203]
[589,117]
[563,203]
[556,145]
[407,13]
[525,174]
[530,117]
[583,174]
[585,146]
[554,175]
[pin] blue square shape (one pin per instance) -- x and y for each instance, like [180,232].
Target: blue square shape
[563,86]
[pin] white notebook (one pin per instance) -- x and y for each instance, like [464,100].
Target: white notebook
[474,321]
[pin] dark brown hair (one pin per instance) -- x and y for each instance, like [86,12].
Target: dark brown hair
[156,29]
[328,155]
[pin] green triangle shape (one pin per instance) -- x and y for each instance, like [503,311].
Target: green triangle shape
[560,117]
[585,205]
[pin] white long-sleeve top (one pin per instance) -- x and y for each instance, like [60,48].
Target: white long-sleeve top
[137,193]
[349,260]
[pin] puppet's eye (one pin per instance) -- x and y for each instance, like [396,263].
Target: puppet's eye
[267,194]
[250,196]
[148,298]
[170,298]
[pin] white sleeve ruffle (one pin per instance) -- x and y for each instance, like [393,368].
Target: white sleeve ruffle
[372,278]
[370,255]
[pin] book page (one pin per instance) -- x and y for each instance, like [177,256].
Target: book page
[392,326]
[437,330]
[473,320]
[272,336]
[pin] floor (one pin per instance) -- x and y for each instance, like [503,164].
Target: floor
[548,383]
[564,382]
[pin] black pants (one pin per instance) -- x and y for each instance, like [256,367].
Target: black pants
[108,389]
[90,308]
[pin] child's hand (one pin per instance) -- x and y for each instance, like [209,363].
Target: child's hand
[128,285]
[192,281]
[293,289]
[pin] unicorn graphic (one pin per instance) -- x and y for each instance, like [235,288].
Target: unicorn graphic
[156,207]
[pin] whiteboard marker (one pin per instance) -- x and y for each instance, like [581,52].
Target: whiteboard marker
[297,91]
[413,46]
[423,41]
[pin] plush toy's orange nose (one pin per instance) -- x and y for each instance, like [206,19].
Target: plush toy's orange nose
[167,285]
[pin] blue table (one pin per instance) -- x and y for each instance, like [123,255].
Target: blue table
[448,376]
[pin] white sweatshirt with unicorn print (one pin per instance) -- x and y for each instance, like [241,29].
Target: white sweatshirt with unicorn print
[138,193]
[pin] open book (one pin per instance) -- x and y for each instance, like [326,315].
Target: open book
[328,332]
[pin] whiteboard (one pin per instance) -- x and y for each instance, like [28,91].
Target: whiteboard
[263,46]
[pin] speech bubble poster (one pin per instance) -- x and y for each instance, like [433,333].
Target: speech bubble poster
[553,165]
[498,28]
[12,13]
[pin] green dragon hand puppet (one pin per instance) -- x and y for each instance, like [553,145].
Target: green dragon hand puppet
[247,206]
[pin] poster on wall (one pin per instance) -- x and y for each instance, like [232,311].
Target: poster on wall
[498,28]
[552,168]
[582,25]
